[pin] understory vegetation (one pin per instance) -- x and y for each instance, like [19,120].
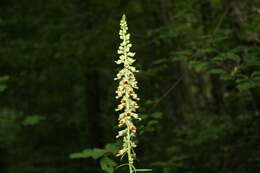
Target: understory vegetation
[198,79]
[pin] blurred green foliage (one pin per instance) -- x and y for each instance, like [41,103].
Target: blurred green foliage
[199,85]
[106,163]
[2,83]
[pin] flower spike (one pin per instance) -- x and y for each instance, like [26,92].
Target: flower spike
[126,92]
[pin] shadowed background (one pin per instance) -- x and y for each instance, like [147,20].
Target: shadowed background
[199,85]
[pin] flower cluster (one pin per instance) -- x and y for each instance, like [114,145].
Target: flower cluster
[126,93]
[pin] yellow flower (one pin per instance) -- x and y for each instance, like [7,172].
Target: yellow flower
[121,152]
[126,91]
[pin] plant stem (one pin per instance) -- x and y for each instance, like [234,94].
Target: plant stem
[129,150]
[130,161]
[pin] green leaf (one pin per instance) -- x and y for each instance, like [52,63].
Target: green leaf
[173,149]
[256,79]
[240,49]
[159,164]
[94,153]
[218,58]
[245,86]
[232,56]
[215,1]
[2,81]
[205,51]
[97,153]
[187,52]
[113,148]
[107,164]
[161,61]
[152,122]
[241,80]
[149,102]
[217,71]
[225,77]
[2,87]
[32,120]
[198,65]
[255,73]
[252,60]
[157,115]
[76,156]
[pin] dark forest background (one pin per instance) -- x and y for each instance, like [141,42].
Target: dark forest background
[199,80]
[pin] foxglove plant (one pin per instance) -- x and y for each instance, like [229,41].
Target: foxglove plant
[125,92]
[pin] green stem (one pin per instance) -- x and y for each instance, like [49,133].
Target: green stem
[130,160]
[129,150]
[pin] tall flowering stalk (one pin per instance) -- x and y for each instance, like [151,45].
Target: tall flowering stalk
[125,92]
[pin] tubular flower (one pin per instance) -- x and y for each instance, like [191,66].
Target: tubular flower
[126,92]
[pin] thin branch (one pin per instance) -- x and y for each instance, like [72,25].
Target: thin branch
[168,91]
